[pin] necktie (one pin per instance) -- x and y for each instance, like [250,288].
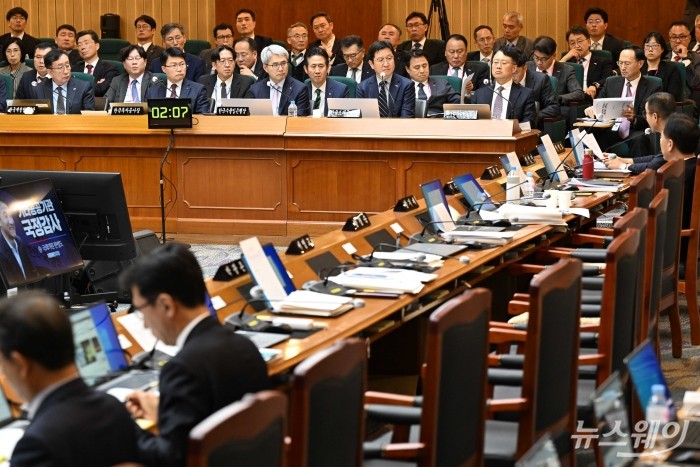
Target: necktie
[417,46]
[455,72]
[317,100]
[60,103]
[89,68]
[135,92]
[173,91]
[223,90]
[354,74]
[383,102]
[677,58]
[595,46]
[486,60]
[581,61]
[498,105]
[421,92]
[624,130]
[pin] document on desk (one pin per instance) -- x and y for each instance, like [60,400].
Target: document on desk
[409,255]
[520,214]
[482,235]
[312,301]
[605,186]
[384,279]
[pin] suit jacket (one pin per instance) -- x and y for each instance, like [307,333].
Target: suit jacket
[239,85]
[297,71]
[27,84]
[613,45]
[195,67]
[333,89]
[523,44]
[337,56]
[481,73]
[214,368]
[402,95]
[205,55]
[104,72]
[153,53]
[433,49]
[80,95]
[28,44]
[258,70]
[544,93]
[120,86]
[441,92]
[342,70]
[17,78]
[521,105]
[474,56]
[194,91]
[670,79]
[261,42]
[3,96]
[599,69]
[74,57]
[292,90]
[77,425]
[568,88]
[613,88]
[8,263]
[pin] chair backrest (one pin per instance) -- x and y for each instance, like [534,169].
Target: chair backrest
[655,80]
[642,189]
[603,54]
[117,64]
[349,82]
[48,40]
[454,386]
[671,176]
[578,72]
[656,236]
[327,406]
[248,433]
[680,94]
[555,84]
[83,77]
[454,81]
[195,46]
[550,372]
[9,86]
[110,48]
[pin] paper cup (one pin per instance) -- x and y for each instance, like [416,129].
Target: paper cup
[553,201]
[564,200]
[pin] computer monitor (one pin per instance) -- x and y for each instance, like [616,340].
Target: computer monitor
[473,192]
[35,241]
[95,207]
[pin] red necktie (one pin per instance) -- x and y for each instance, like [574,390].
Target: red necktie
[89,68]
[677,58]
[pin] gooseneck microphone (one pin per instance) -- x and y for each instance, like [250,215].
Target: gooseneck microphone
[646,132]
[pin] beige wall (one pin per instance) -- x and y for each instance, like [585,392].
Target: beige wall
[548,17]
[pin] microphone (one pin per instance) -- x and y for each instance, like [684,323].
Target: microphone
[646,132]
[326,286]
[487,83]
[417,264]
[550,176]
[271,85]
[158,81]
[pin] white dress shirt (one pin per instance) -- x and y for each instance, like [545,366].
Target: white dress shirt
[506,97]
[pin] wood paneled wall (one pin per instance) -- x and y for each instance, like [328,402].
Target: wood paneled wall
[198,16]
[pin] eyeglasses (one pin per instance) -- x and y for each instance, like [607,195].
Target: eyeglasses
[578,42]
[501,63]
[278,66]
[127,59]
[484,40]
[226,61]
[414,25]
[298,37]
[625,64]
[176,65]
[225,38]
[61,67]
[594,21]
[321,26]
[137,308]
[382,60]
[18,18]
[171,40]
[679,38]
[651,46]
[541,59]
[353,56]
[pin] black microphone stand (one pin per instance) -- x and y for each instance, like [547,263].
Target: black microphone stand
[162,184]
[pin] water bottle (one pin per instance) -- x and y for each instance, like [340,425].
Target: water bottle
[529,186]
[657,415]
[292,112]
[588,163]
[512,189]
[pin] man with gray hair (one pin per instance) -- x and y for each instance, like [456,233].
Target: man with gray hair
[512,26]
[174,36]
[279,87]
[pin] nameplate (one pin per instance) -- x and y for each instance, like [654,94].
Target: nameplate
[23,109]
[355,223]
[230,271]
[344,113]
[128,110]
[528,159]
[450,188]
[491,173]
[461,115]
[405,204]
[300,246]
[238,111]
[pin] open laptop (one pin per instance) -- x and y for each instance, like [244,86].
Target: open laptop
[255,106]
[474,193]
[610,411]
[368,108]
[483,111]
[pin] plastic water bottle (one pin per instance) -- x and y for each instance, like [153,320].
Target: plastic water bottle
[529,186]
[657,415]
[512,189]
[292,111]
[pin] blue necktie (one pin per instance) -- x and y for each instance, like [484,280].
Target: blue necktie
[135,92]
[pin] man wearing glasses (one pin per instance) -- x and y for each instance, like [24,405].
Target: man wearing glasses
[177,85]
[679,38]
[132,86]
[544,61]
[298,40]
[354,66]
[596,20]
[322,24]
[417,26]
[595,69]
[512,27]
[17,24]
[68,95]
[223,35]
[224,83]
[103,71]
[279,87]
[33,78]
[174,36]
[145,31]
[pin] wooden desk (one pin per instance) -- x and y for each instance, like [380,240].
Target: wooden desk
[254,175]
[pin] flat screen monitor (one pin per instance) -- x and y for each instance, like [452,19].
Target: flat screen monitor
[474,193]
[35,240]
[95,207]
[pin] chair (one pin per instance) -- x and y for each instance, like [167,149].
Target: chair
[555,127]
[656,238]
[603,54]
[349,82]
[454,81]
[452,409]
[29,62]
[9,86]
[682,73]
[247,433]
[547,401]
[83,77]
[47,40]
[578,71]
[327,406]
[110,49]
[284,45]
[117,64]
[195,46]
[688,268]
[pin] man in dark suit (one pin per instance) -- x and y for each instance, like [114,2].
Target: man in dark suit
[132,86]
[400,100]
[68,95]
[595,69]
[544,61]
[511,101]
[596,20]
[630,84]
[354,64]
[213,368]
[145,32]
[33,78]
[319,87]
[65,41]
[225,84]
[280,88]
[456,64]
[245,26]
[177,85]
[246,55]
[512,26]
[174,36]
[542,91]
[15,262]
[223,35]
[298,40]
[435,91]
[71,424]
[322,24]
[103,72]
[417,26]
[391,33]
[485,40]
[17,23]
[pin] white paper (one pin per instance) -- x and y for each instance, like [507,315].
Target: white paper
[405,256]
[591,143]
[262,270]
[133,323]
[553,156]
[610,108]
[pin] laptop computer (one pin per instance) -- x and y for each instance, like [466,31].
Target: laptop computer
[474,193]
[541,454]
[368,108]
[255,106]
[610,411]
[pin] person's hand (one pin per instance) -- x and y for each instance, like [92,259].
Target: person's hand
[572,53]
[628,113]
[592,91]
[682,51]
[244,70]
[617,162]
[101,81]
[590,112]
[143,404]
[470,86]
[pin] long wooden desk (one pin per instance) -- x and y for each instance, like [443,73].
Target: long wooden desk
[260,175]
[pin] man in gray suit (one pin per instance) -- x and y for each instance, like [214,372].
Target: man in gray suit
[512,25]
[68,95]
[133,85]
[435,91]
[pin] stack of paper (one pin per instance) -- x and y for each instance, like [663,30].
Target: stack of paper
[596,185]
[489,235]
[308,300]
[404,255]
[384,279]
[520,214]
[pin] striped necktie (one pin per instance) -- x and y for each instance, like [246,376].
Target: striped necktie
[383,101]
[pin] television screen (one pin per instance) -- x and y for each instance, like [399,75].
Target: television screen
[36,242]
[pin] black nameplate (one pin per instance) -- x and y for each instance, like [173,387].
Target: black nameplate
[230,271]
[527,160]
[461,115]
[128,110]
[300,246]
[23,109]
[355,223]
[559,146]
[491,173]
[238,111]
[450,188]
[405,204]
[345,113]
